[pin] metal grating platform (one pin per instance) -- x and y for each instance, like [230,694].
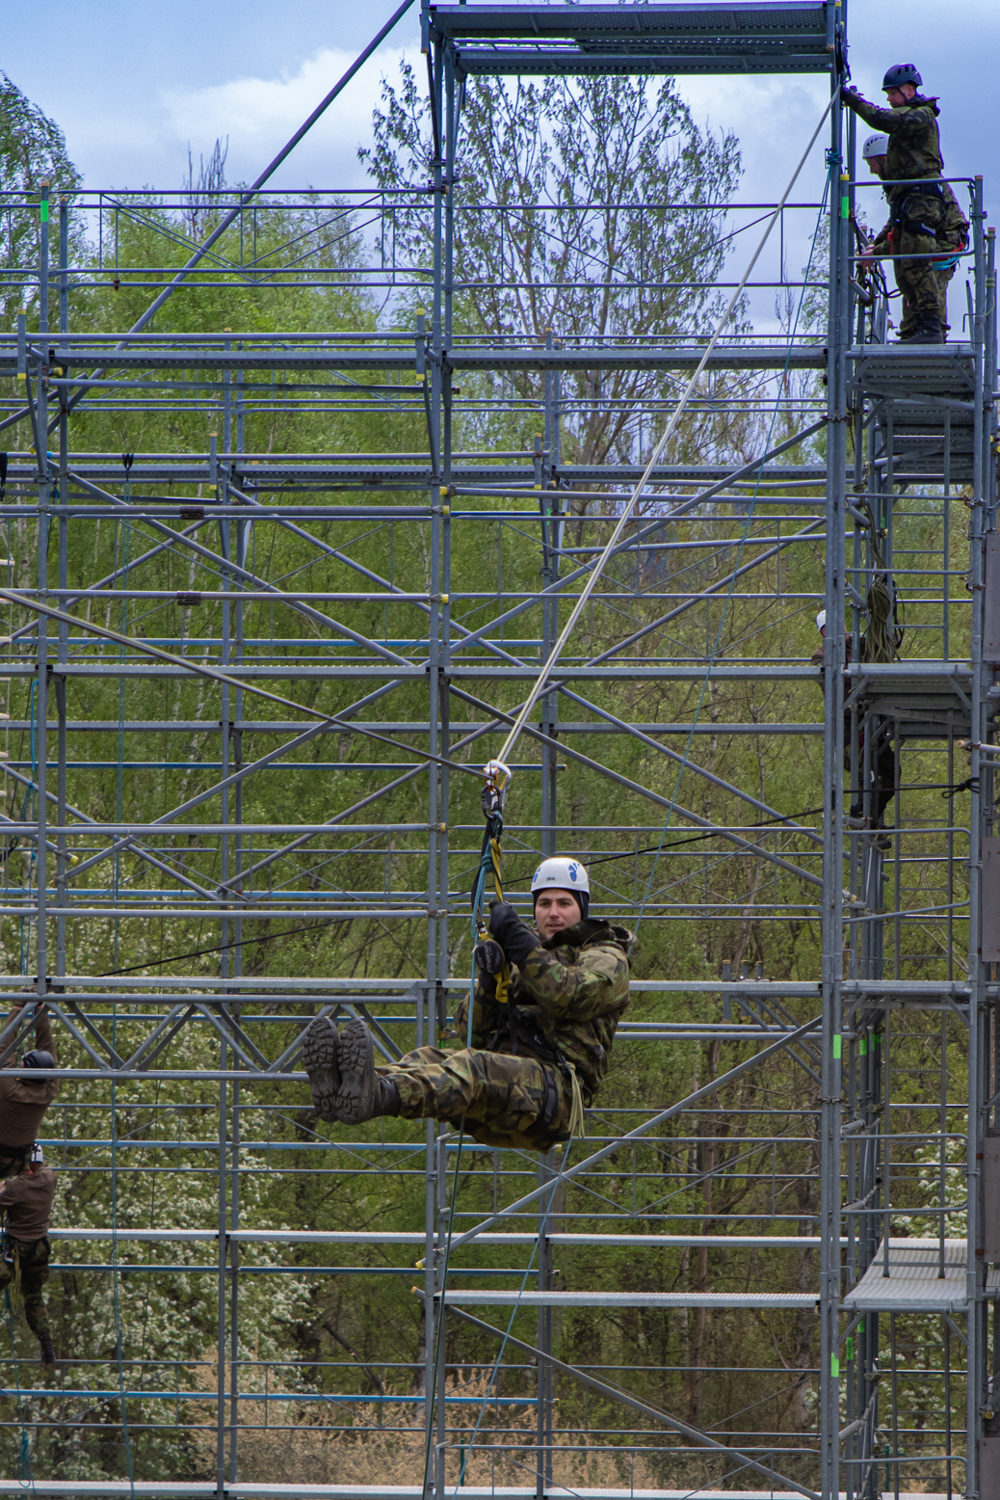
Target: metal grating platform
[632,1299]
[901,370]
[774,37]
[927,396]
[914,1283]
[929,704]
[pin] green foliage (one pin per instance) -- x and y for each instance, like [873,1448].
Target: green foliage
[32,152]
[634,806]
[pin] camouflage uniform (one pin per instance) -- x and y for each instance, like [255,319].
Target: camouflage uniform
[514,1086]
[922,219]
[26,1263]
[26,1200]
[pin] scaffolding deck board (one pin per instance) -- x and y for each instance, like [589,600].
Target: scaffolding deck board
[946,371]
[914,1282]
[631,1299]
[780,36]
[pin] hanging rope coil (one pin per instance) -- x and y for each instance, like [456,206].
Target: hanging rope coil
[882,639]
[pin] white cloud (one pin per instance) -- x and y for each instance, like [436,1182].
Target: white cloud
[259,114]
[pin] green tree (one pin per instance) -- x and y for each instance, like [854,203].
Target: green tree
[586,207]
[32,151]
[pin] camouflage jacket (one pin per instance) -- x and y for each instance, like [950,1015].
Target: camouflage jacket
[951,227]
[914,145]
[566,1001]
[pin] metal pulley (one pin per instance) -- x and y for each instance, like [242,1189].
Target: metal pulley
[495,788]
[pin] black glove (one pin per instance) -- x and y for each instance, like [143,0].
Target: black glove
[849,95]
[488,956]
[514,936]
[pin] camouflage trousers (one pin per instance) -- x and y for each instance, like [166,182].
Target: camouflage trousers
[26,1264]
[505,1100]
[924,289]
[925,230]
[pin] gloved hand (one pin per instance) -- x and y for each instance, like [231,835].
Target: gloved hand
[488,956]
[514,936]
[849,95]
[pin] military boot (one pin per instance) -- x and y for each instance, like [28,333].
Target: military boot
[47,1351]
[929,331]
[319,1058]
[362,1094]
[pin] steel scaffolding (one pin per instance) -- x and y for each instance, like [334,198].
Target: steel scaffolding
[858,1107]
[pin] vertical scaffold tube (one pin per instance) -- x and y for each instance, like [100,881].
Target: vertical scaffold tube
[833,762]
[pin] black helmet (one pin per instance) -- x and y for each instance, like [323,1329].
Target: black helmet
[38,1059]
[899,74]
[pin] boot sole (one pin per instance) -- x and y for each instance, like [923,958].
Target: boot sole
[355,1101]
[319,1058]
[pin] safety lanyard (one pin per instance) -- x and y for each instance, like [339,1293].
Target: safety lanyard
[494,796]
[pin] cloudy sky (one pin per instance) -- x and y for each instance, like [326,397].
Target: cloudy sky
[134,83]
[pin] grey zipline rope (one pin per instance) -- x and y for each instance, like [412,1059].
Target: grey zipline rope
[654,458]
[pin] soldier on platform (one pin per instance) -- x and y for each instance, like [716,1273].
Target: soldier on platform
[23,1101]
[26,1202]
[925,221]
[535,1061]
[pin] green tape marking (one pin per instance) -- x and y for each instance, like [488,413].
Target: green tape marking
[837,1045]
[864,1046]
[45,210]
[849,1347]
[845,210]
[834,1367]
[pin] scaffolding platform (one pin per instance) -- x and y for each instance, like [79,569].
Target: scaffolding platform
[929,700]
[662,1300]
[942,371]
[914,1282]
[924,395]
[781,36]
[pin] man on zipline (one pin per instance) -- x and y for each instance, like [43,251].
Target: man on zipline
[23,1101]
[535,1061]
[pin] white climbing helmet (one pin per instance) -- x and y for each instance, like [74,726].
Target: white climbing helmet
[875,145]
[563,874]
[821,620]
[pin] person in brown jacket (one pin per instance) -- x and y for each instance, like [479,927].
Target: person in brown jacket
[23,1101]
[26,1200]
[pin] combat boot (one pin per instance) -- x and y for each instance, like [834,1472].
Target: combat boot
[319,1058]
[929,330]
[363,1094]
[48,1353]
